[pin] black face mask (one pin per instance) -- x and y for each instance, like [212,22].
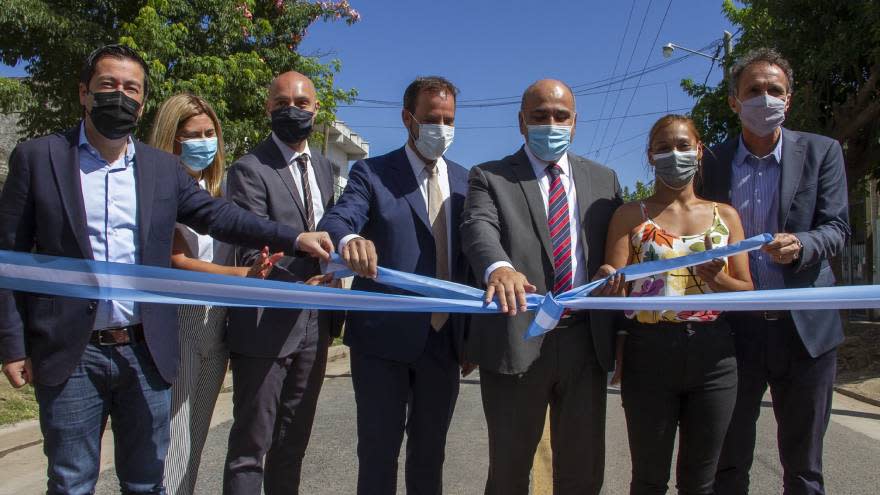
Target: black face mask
[114,114]
[292,124]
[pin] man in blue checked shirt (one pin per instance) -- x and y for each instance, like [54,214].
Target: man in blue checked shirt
[792,184]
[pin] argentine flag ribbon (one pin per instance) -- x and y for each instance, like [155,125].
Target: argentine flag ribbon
[90,279]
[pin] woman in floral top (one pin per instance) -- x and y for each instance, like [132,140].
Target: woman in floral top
[678,367]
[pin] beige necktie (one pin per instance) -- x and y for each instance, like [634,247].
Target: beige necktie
[437,217]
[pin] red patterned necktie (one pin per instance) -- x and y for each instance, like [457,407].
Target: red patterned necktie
[560,233]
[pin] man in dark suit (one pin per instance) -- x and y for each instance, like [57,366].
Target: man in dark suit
[401,210]
[792,184]
[536,221]
[278,356]
[94,192]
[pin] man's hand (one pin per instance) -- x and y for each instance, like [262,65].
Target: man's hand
[360,255]
[615,285]
[317,244]
[19,373]
[784,248]
[325,280]
[511,288]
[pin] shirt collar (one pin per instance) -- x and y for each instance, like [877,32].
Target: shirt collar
[540,166]
[87,146]
[742,152]
[418,165]
[289,154]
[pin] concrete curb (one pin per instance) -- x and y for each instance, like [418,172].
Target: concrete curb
[26,434]
[857,396]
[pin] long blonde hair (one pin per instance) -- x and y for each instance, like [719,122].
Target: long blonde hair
[171,115]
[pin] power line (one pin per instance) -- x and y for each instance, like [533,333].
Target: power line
[628,65]
[647,59]
[580,121]
[632,8]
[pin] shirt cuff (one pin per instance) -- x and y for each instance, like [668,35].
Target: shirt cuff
[493,267]
[344,241]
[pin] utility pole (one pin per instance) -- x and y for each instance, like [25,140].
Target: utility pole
[728,48]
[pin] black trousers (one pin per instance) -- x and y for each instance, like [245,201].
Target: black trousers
[568,378]
[677,377]
[772,353]
[273,408]
[392,398]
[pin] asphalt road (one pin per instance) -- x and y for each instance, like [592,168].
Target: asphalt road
[852,457]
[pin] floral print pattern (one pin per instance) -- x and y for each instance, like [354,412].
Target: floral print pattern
[650,242]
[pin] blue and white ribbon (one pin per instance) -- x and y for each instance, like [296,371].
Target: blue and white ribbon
[118,281]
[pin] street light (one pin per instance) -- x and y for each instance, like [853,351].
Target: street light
[669,48]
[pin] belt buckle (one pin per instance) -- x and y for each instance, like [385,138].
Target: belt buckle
[111,343]
[770,315]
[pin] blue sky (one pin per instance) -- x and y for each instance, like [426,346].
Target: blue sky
[495,49]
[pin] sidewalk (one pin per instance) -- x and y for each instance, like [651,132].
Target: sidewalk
[23,463]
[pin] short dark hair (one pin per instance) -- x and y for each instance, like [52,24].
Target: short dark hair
[434,84]
[767,55]
[115,51]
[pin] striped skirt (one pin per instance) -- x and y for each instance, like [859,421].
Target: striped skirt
[203,361]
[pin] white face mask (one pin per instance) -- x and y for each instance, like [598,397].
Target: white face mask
[434,139]
[762,114]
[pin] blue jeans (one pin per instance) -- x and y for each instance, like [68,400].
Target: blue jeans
[119,382]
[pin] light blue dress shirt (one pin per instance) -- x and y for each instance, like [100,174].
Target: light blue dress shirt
[110,200]
[754,191]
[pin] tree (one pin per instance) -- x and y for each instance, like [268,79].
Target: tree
[834,49]
[226,51]
[640,192]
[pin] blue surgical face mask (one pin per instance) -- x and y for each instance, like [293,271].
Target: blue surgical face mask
[198,154]
[549,142]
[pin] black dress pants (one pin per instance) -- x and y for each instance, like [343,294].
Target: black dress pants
[771,353]
[677,377]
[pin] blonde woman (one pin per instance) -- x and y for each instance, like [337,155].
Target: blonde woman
[187,126]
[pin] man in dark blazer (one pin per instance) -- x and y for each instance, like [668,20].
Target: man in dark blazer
[514,247]
[792,184]
[94,192]
[278,356]
[401,210]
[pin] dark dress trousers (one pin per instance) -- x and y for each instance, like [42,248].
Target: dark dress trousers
[42,210]
[505,220]
[405,375]
[277,356]
[794,354]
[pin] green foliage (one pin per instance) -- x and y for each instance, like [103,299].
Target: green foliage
[834,49]
[640,192]
[226,51]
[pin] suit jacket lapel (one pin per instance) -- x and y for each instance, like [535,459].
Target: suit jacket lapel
[64,157]
[457,193]
[273,157]
[145,184]
[522,167]
[582,184]
[790,175]
[324,176]
[724,162]
[408,187]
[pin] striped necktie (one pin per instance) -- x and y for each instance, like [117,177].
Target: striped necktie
[560,234]
[302,161]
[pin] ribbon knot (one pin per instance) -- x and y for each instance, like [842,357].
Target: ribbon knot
[547,316]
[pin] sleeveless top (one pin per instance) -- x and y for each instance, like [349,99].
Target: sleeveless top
[650,242]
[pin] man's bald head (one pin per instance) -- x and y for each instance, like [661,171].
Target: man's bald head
[547,89]
[292,89]
[547,102]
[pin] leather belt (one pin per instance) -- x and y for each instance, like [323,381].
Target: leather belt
[771,315]
[118,336]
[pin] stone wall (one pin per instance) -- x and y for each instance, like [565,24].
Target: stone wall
[9,136]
